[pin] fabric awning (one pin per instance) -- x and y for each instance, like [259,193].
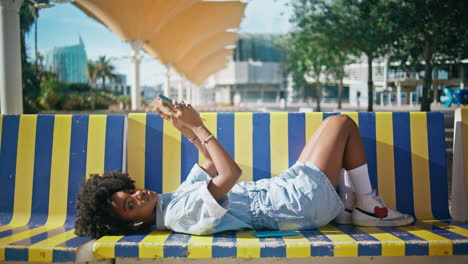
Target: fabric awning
[209,65]
[134,20]
[204,49]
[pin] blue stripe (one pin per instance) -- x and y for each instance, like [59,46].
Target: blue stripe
[226,132]
[296,136]
[224,245]
[326,115]
[403,164]
[325,246]
[460,243]
[261,146]
[127,246]
[8,166]
[438,165]
[77,169]
[42,165]
[367,131]
[153,152]
[114,142]
[75,242]
[175,246]
[414,245]
[276,251]
[371,245]
[16,254]
[63,256]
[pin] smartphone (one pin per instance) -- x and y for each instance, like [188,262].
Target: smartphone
[164,98]
[158,104]
[274,233]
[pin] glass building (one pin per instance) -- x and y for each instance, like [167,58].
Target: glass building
[69,63]
[255,73]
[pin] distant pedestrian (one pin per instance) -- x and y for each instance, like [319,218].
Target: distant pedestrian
[358,96]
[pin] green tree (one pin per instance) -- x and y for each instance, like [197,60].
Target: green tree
[360,27]
[92,70]
[432,32]
[105,70]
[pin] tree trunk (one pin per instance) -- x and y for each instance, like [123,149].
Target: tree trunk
[340,86]
[103,83]
[318,90]
[370,85]
[426,96]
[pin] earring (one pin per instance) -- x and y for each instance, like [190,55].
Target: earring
[137,224]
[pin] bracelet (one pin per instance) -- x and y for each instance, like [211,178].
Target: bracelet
[206,140]
[193,139]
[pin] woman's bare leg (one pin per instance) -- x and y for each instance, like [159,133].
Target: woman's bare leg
[336,144]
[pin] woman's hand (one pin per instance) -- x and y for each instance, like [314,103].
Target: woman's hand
[174,121]
[186,115]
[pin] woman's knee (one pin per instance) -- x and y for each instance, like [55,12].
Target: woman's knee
[342,120]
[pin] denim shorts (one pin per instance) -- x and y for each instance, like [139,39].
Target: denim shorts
[300,198]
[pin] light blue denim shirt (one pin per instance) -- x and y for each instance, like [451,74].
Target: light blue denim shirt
[300,198]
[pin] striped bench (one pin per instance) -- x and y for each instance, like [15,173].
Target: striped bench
[460,166]
[43,158]
[407,164]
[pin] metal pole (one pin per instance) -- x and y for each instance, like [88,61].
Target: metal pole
[11,92]
[167,87]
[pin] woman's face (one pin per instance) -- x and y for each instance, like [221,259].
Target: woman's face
[136,205]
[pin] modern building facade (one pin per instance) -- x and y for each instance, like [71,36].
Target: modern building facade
[69,63]
[254,74]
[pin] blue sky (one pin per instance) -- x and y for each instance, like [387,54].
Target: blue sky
[62,25]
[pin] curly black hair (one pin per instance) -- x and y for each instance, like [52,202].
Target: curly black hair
[95,216]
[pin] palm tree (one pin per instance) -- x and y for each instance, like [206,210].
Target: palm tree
[92,69]
[105,70]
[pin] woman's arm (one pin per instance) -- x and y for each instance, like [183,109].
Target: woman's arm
[229,171]
[208,165]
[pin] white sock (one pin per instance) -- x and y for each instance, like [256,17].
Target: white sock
[345,185]
[360,179]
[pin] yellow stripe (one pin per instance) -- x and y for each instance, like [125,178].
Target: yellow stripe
[200,247]
[152,246]
[105,247]
[243,144]
[297,246]
[26,234]
[279,143]
[438,246]
[211,122]
[464,123]
[345,246]
[420,158]
[313,121]
[96,144]
[43,251]
[391,245]
[171,157]
[136,148]
[452,228]
[247,245]
[59,170]
[354,116]
[24,170]
[385,158]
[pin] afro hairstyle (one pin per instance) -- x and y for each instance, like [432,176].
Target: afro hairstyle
[95,216]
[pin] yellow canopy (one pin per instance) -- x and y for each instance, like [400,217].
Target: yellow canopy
[191,27]
[134,19]
[214,44]
[209,65]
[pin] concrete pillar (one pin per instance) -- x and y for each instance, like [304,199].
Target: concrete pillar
[398,93]
[188,92]
[135,72]
[167,86]
[381,99]
[11,84]
[180,89]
